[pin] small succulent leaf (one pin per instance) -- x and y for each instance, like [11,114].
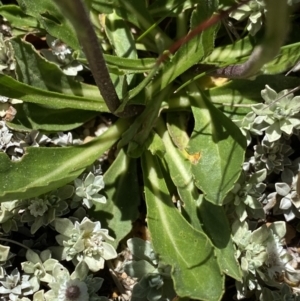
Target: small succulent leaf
[141,249]
[217,140]
[48,14]
[273,132]
[81,271]
[169,230]
[285,203]
[33,257]
[94,263]
[4,252]
[49,264]
[268,94]
[139,268]
[282,188]
[260,235]
[278,228]
[259,176]
[45,169]
[109,251]
[64,226]
[122,209]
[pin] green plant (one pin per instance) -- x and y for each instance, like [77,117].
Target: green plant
[180,129]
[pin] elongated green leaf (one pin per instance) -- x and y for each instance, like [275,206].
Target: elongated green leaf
[201,214]
[34,117]
[130,65]
[189,54]
[289,55]
[231,54]
[217,147]
[44,169]
[187,250]
[50,17]
[216,226]
[14,89]
[123,198]
[34,70]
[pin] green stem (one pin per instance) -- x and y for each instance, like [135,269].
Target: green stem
[15,242]
[77,14]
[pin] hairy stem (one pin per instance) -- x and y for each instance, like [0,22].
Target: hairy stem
[76,12]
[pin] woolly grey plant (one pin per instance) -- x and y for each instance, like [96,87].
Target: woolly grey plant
[273,156]
[155,281]
[62,55]
[84,241]
[261,254]
[7,60]
[39,267]
[285,200]
[87,190]
[65,139]
[279,114]
[15,286]
[41,211]
[246,195]
[254,11]
[75,287]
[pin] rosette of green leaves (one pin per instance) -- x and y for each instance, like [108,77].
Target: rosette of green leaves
[279,114]
[273,156]
[43,210]
[84,241]
[246,195]
[155,282]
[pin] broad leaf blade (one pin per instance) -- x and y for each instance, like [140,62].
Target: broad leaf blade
[34,70]
[123,198]
[217,147]
[187,250]
[202,215]
[50,17]
[44,169]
